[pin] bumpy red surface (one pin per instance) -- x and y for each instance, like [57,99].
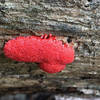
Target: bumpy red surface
[52,54]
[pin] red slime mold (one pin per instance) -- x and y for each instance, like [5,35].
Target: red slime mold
[50,53]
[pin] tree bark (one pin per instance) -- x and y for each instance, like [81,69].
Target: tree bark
[78,19]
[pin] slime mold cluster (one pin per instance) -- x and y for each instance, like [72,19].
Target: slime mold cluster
[51,54]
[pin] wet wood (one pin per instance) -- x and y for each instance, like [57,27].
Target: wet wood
[78,19]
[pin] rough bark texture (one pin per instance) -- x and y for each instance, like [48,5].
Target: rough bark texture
[78,19]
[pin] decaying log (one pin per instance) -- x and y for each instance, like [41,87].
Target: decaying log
[78,19]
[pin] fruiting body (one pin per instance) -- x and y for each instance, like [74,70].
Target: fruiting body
[51,53]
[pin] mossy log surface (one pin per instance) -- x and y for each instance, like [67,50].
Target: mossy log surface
[78,19]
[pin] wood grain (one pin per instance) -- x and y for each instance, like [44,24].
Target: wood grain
[78,19]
